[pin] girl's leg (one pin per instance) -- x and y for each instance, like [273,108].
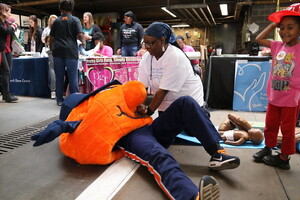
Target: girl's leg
[289,117]
[141,146]
[272,125]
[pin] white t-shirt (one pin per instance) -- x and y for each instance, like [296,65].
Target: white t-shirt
[172,72]
[46,32]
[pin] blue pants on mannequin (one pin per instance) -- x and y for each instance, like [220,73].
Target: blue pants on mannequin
[148,144]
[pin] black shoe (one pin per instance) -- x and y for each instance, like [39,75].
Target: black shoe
[209,188]
[221,160]
[275,160]
[59,103]
[10,98]
[260,155]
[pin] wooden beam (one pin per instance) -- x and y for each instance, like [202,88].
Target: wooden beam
[29,10]
[34,3]
[275,2]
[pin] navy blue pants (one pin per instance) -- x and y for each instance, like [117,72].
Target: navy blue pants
[148,144]
[60,66]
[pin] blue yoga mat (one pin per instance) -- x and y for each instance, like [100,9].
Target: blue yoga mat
[247,145]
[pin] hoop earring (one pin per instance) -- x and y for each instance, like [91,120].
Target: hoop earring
[163,48]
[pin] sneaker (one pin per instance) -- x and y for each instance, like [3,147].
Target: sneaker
[208,188]
[221,160]
[275,160]
[258,156]
[53,95]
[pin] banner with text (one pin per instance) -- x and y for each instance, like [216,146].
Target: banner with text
[100,71]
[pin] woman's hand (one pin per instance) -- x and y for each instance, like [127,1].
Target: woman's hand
[87,37]
[119,52]
[98,54]
[141,111]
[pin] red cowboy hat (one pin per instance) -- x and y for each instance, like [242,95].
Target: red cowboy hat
[292,10]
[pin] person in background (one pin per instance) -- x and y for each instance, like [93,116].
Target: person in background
[6,32]
[103,50]
[34,43]
[48,53]
[17,45]
[130,36]
[46,48]
[89,29]
[65,49]
[283,88]
[142,51]
[47,30]
[19,32]
[188,48]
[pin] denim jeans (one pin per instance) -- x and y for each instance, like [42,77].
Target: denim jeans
[129,50]
[61,66]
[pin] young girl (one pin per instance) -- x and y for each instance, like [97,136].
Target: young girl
[46,52]
[283,88]
[142,51]
[6,31]
[89,29]
[103,50]
[35,43]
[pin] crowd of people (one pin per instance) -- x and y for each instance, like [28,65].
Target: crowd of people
[86,39]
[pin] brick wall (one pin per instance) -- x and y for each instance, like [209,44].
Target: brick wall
[260,15]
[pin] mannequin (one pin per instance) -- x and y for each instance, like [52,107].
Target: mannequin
[244,132]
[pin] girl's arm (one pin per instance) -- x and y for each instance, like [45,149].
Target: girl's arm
[262,37]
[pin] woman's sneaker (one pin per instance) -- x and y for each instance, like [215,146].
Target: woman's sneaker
[208,188]
[221,160]
[53,96]
[258,156]
[275,160]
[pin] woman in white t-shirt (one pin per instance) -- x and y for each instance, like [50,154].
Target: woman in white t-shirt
[165,69]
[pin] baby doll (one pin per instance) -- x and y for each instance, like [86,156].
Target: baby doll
[238,136]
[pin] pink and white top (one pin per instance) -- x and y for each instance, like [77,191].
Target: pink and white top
[283,87]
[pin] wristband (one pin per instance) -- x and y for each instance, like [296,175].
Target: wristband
[149,111]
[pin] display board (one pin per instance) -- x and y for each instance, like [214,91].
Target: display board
[250,85]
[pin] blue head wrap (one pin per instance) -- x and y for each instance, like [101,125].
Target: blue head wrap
[159,30]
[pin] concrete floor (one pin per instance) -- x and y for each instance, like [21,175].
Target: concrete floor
[28,172]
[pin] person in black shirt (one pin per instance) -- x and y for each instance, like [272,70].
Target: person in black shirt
[130,36]
[65,31]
